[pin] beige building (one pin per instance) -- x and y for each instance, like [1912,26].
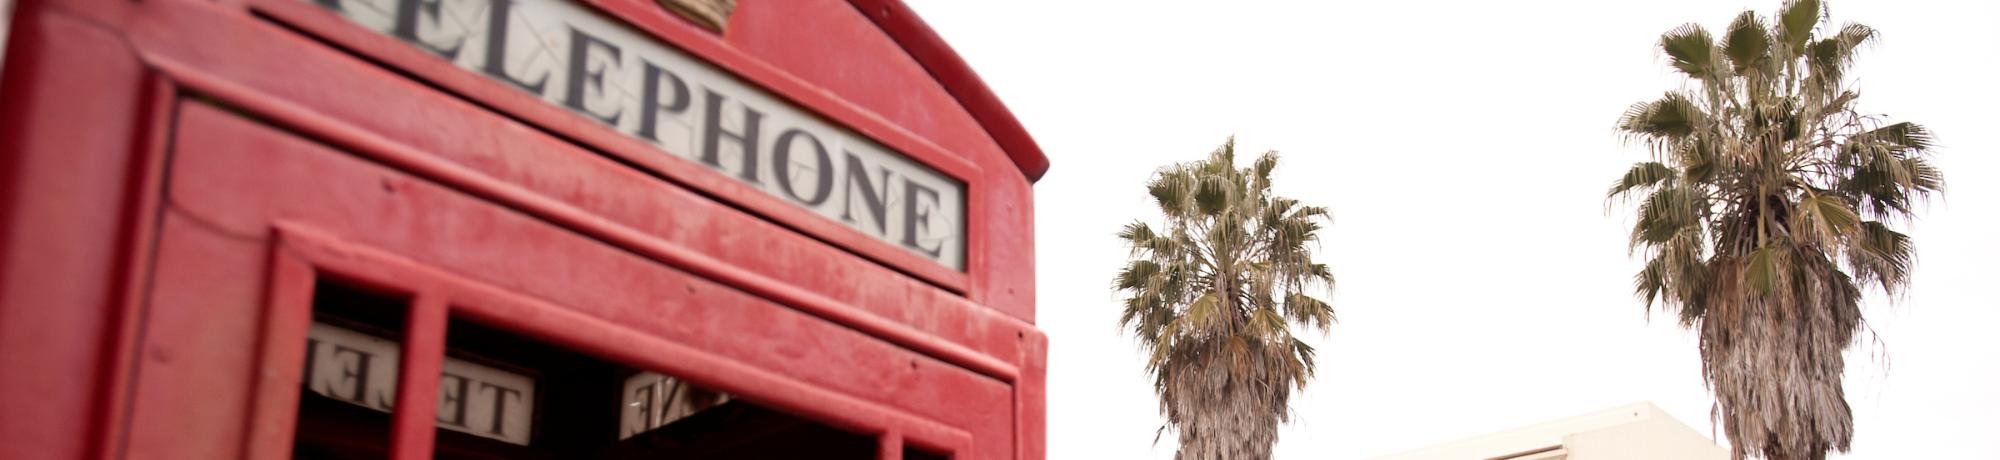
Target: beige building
[1635,432]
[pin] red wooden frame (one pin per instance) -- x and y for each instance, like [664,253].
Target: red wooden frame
[557,325]
[649,17]
[96,90]
[301,256]
[407,158]
[957,77]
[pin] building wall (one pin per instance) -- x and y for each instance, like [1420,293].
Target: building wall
[1635,432]
[1656,438]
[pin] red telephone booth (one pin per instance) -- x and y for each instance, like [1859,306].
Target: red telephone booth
[509,229]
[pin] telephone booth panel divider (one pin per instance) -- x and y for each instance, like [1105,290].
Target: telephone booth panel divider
[259,229]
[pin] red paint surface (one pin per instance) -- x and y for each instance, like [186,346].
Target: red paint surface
[154,246]
[930,50]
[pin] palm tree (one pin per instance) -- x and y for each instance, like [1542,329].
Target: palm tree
[1765,210]
[1212,296]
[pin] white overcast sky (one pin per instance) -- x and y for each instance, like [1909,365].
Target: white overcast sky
[1464,147]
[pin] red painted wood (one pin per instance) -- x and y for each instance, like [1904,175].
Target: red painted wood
[898,76]
[558,325]
[226,159]
[274,400]
[199,346]
[413,430]
[402,156]
[429,121]
[119,298]
[625,148]
[957,77]
[145,183]
[1031,396]
[66,173]
[890,446]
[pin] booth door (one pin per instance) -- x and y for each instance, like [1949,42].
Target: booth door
[311,302]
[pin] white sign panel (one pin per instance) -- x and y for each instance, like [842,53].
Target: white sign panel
[653,400]
[361,369]
[572,57]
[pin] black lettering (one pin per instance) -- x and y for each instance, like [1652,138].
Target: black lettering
[579,59]
[913,214]
[385,398]
[781,156]
[649,100]
[877,201]
[312,357]
[499,405]
[359,373]
[497,13]
[673,399]
[407,13]
[455,399]
[712,135]
[331,4]
[645,395]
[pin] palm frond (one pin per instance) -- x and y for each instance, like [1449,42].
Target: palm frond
[1795,24]
[1642,177]
[1692,51]
[1765,210]
[1212,295]
[1747,43]
[1672,116]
